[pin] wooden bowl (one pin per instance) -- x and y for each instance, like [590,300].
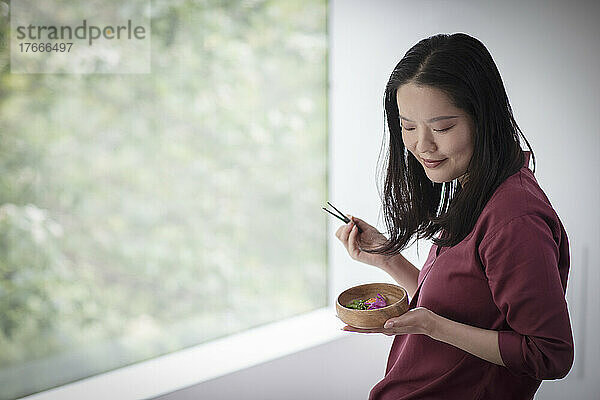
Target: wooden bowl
[394,295]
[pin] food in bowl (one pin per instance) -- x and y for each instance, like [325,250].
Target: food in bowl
[395,297]
[369,304]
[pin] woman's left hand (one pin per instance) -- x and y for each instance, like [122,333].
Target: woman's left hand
[418,320]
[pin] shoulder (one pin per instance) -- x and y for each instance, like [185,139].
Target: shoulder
[518,198]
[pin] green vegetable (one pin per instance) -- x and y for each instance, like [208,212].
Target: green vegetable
[370,304]
[358,305]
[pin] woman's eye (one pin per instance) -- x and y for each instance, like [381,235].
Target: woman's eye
[435,130]
[444,130]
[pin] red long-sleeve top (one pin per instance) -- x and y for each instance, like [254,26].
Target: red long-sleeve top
[510,275]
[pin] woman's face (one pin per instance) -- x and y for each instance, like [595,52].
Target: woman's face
[438,134]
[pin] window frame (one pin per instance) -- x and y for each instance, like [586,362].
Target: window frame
[189,366]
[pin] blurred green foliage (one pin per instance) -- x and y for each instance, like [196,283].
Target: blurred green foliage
[140,214]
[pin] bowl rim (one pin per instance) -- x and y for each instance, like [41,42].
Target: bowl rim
[405,296]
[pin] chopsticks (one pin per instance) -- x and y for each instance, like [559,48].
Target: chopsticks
[341,216]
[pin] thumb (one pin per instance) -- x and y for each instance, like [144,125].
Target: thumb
[360,224]
[357,221]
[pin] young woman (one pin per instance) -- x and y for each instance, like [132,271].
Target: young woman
[488,317]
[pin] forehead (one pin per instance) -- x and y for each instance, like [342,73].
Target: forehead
[423,102]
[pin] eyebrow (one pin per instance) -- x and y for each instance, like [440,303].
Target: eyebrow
[433,119]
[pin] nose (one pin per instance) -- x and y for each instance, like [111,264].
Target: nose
[425,142]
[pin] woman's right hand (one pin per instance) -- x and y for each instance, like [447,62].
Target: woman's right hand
[355,241]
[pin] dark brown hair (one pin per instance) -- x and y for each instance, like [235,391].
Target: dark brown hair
[414,206]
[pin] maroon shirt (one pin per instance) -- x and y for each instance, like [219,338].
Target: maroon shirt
[510,275]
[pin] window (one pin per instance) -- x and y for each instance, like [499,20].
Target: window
[142,214]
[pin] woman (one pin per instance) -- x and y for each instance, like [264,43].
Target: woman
[488,317]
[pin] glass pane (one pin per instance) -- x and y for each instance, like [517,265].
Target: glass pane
[145,213]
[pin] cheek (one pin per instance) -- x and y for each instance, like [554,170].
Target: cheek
[461,146]
[466,149]
[408,143]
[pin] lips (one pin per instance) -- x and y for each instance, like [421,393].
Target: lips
[432,163]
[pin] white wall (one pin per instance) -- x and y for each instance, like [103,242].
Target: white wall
[548,55]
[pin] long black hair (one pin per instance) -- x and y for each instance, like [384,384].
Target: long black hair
[414,206]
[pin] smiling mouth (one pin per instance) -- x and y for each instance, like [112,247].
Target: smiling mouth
[432,163]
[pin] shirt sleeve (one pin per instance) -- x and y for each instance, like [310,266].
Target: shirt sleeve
[521,264]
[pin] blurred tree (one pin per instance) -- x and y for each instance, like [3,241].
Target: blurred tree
[140,214]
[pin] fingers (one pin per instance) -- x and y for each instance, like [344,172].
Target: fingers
[389,323]
[347,235]
[349,328]
[352,248]
[343,232]
[359,222]
[340,231]
[387,332]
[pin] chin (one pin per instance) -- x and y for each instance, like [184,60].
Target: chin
[439,179]
[440,176]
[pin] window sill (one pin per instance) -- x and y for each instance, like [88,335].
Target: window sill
[200,363]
